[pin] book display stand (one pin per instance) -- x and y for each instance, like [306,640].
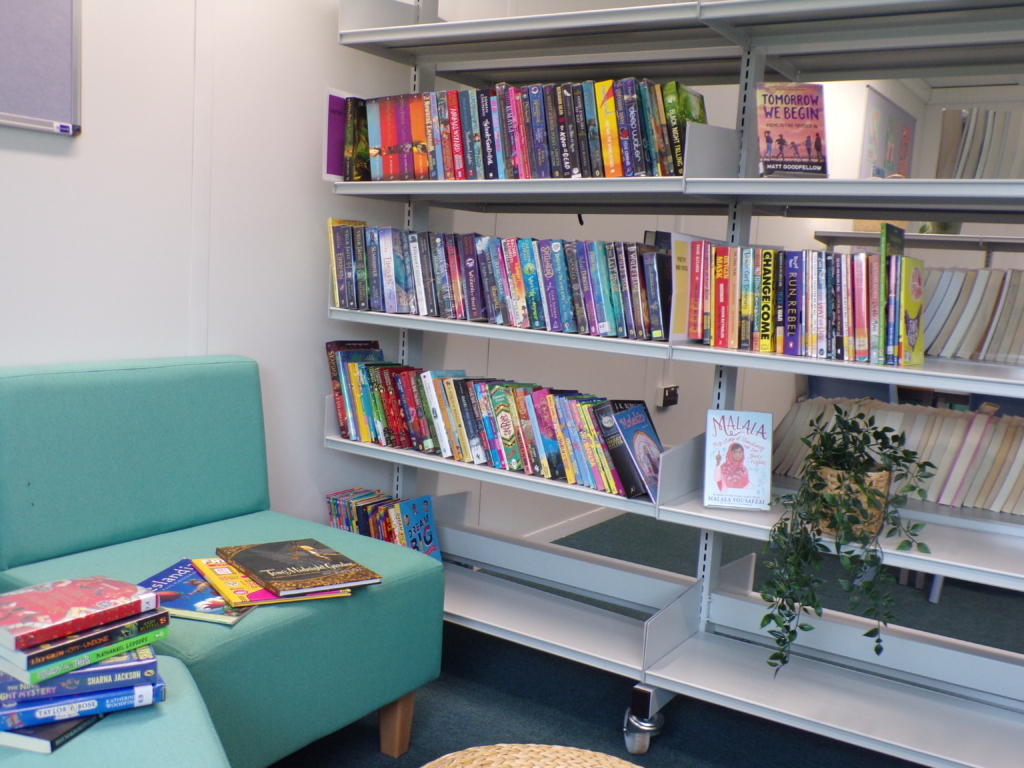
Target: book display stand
[929,698]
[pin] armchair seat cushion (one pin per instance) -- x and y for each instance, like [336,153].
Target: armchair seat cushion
[317,665]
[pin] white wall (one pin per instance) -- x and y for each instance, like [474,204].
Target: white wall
[190,216]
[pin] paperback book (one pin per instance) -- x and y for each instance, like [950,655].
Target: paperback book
[642,442]
[130,668]
[737,459]
[30,713]
[239,591]
[791,129]
[45,738]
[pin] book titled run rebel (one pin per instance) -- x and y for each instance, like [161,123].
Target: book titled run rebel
[296,567]
[43,612]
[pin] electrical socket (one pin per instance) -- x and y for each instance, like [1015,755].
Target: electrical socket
[668,396]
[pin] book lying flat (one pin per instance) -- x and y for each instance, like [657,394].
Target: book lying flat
[45,738]
[131,668]
[52,710]
[297,567]
[187,595]
[240,591]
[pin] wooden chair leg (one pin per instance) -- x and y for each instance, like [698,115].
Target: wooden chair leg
[396,725]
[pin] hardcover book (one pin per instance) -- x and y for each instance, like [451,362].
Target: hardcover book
[296,567]
[911,332]
[418,529]
[738,459]
[242,592]
[33,615]
[642,443]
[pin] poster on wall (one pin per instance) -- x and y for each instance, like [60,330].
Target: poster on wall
[791,129]
[888,139]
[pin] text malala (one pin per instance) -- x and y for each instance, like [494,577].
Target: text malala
[733,426]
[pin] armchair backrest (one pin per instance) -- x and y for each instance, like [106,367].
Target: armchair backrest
[93,454]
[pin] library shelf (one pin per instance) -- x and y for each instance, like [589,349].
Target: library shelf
[654,349]
[545,621]
[487,474]
[975,550]
[968,199]
[869,240]
[907,721]
[704,42]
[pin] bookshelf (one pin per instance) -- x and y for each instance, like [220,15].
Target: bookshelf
[701,638]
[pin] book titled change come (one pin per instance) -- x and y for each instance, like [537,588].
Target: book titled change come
[738,460]
[297,567]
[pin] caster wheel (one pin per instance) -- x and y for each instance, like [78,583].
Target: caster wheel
[637,732]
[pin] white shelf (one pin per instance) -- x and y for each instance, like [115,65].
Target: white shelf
[657,350]
[870,240]
[544,621]
[917,724]
[936,373]
[962,199]
[703,42]
[976,550]
[487,474]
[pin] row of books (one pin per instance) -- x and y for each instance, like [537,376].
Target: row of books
[607,445]
[610,128]
[225,588]
[978,456]
[567,286]
[75,646]
[406,522]
[974,314]
[863,307]
[978,143]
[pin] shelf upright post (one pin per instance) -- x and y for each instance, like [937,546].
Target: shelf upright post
[410,342]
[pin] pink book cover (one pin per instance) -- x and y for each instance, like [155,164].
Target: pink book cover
[514,269]
[37,614]
[519,128]
[699,258]
[874,308]
[455,121]
[860,307]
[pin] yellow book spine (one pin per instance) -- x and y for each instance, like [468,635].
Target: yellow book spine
[766,301]
[460,426]
[335,298]
[681,297]
[449,428]
[609,126]
[362,423]
[563,444]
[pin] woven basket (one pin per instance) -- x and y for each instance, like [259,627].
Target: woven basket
[877,480]
[527,756]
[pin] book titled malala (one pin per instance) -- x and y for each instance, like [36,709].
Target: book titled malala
[738,460]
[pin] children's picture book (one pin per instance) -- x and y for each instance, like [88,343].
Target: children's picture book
[240,591]
[296,567]
[418,526]
[642,442]
[187,595]
[738,460]
[791,129]
[911,309]
[42,612]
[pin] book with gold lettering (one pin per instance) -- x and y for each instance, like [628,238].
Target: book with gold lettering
[239,591]
[296,567]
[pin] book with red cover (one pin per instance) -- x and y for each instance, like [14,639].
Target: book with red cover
[418,125]
[43,612]
[455,124]
[720,283]
[389,137]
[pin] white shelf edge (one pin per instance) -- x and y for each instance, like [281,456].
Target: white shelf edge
[538,619]
[883,715]
[653,349]
[487,474]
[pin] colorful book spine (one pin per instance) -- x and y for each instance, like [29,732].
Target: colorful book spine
[455,125]
[626,290]
[442,280]
[617,319]
[746,296]
[792,293]
[654,278]
[455,276]
[874,308]
[637,153]
[594,142]
[500,144]
[547,273]
[568,134]
[373,139]
[445,130]
[433,137]
[611,149]
[563,292]
[721,297]
[474,134]
[418,121]
[387,269]
[625,150]
[588,287]
[700,258]
[488,144]
[471,285]
[503,407]
[466,100]
[551,124]
[30,713]
[517,285]
[860,307]
[578,307]
[532,285]
[403,126]
[537,135]
[598,264]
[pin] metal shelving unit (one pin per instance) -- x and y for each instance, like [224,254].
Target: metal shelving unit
[929,699]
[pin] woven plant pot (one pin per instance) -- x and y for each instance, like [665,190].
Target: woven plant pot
[527,756]
[878,480]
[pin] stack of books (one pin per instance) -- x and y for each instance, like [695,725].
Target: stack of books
[861,307]
[72,651]
[611,128]
[406,522]
[241,578]
[978,456]
[980,143]
[595,288]
[607,445]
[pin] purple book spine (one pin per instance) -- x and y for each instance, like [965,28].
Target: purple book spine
[471,278]
[588,288]
[547,267]
[792,295]
[335,135]
[403,126]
